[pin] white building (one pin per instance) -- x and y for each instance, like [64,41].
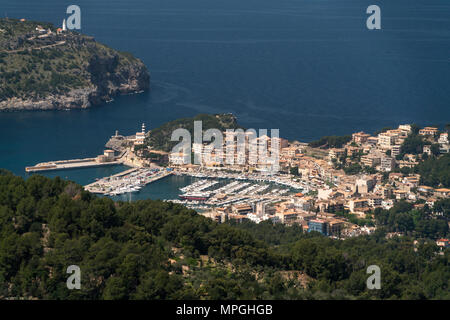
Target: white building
[140,136]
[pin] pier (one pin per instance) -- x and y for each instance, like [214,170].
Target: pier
[108,158]
[70,164]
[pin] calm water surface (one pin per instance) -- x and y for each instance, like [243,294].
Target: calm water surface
[309,68]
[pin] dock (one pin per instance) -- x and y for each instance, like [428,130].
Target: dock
[70,164]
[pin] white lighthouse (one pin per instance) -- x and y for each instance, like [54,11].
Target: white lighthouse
[140,136]
[64,27]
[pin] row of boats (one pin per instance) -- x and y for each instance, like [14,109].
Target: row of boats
[284,180]
[198,191]
[129,183]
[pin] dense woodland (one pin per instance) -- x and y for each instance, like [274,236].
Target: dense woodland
[158,250]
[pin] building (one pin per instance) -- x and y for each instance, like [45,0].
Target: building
[324,194]
[242,209]
[428,131]
[386,140]
[396,150]
[444,148]
[365,184]
[443,138]
[400,194]
[444,145]
[288,216]
[409,162]
[290,152]
[318,225]
[331,206]
[371,160]
[336,153]
[426,190]
[412,181]
[405,127]
[387,164]
[375,201]
[140,136]
[304,203]
[373,141]
[40,29]
[335,227]
[442,192]
[443,243]
[109,154]
[358,204]
[238,218]
[178,158]
[360,137]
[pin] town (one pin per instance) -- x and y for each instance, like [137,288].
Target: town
[331,186]
[353,180]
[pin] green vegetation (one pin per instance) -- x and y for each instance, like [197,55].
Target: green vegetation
[355,219]
[435,172]
[159,138]
[157,250]
[403,217]
[294,171]
[330,142]
[413,144]
[34,65]
[352,168]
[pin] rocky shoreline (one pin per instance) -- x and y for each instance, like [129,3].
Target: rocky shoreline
[129,80]
[77,73]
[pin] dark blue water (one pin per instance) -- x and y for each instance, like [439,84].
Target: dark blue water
[307,67]
[164,189]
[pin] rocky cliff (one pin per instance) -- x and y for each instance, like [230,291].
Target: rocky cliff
[42,68]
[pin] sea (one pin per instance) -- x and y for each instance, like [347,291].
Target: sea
[309,68]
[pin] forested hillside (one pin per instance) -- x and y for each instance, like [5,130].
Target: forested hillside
[158,250]
[42,68]
[159,138]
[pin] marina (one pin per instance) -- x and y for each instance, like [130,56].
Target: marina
[129,181]
[254,177]
[222,192]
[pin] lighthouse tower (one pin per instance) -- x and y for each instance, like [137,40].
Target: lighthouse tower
[140,136]
[64,27]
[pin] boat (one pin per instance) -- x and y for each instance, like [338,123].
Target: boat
[195,196]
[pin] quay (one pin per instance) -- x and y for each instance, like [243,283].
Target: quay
[106,159]
[69,164]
